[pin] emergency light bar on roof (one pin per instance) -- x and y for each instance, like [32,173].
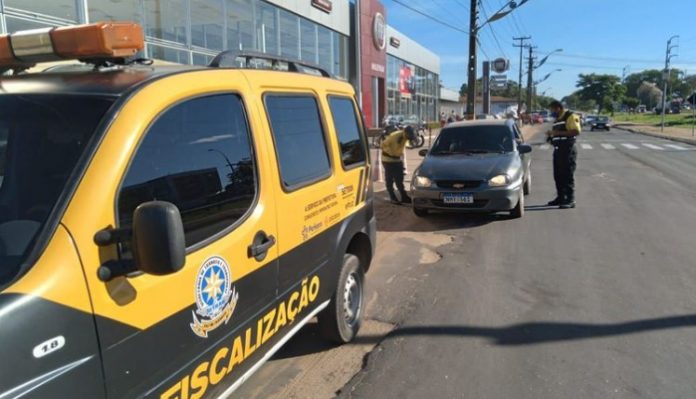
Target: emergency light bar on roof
[92,42]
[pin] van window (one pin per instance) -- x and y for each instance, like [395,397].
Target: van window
[348,129]
[42,139]
[299,138]
[198,156]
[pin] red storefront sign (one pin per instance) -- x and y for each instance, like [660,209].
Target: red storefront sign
[406,85]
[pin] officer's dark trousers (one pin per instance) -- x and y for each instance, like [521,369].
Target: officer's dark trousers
[565,158]
[394,174]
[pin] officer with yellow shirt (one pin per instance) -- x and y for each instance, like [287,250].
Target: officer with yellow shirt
[392,159]
[565,154]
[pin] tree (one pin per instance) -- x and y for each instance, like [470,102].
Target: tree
[604,89]
[631,102]
[649,94]
[574,101]
[463,90]
[634,80]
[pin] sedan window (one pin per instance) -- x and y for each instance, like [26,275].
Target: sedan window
[474,139]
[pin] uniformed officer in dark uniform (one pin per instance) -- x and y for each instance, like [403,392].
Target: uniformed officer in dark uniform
[565,154]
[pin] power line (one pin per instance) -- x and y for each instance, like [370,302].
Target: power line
[490,28]
[432,18]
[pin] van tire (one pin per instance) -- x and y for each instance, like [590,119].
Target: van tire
[341,321]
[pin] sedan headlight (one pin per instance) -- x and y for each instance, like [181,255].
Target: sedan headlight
[423,182]
[499,181]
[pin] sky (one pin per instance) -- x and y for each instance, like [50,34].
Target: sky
[597,36]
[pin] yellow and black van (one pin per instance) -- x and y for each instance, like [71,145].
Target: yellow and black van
[164,230]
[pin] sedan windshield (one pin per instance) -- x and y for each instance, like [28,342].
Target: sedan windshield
[474,140]
[41,139]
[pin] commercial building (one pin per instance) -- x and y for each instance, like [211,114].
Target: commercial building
[394,73]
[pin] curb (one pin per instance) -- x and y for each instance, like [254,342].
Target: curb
[659,136]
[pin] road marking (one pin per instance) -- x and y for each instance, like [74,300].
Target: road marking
[608,146]
[676,147]
[545,147]
[653,146]
[586,146]
[630,146]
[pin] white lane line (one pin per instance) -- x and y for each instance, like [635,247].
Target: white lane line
[608,146]
[653,146]
[675,147]
[545,147]
[630,146]
[586,146]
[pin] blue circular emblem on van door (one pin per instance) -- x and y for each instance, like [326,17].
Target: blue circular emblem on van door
[216,298]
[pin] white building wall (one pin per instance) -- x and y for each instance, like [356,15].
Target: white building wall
[338,19]
[412,52]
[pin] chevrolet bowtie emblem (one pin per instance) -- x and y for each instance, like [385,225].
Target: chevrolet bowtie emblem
[458,185]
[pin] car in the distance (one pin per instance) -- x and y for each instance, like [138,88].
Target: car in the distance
[393,120]
[589,119]
[474,166]
[601,123]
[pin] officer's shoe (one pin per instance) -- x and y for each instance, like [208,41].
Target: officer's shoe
[558,201]
[568,205]
[406,199]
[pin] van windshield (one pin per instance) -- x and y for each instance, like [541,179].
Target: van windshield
[42,137]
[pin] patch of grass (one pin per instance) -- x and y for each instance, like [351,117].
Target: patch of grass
[684,119]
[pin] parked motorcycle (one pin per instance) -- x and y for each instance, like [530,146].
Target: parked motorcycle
[417,142]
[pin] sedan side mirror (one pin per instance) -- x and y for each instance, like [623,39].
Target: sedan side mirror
[158,241]
[423,152]
[524,148]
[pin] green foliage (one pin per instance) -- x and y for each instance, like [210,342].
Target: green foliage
[603,89]
[631,102]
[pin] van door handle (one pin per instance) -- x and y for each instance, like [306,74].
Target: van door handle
[260,246]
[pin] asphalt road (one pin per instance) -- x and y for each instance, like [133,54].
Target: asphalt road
[594,302]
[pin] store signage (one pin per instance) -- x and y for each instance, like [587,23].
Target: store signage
[406,83]
[500,65]
[379,32]
[499,81]
[324,5]
[394,42]
[378,68]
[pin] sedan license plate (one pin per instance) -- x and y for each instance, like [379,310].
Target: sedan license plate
[458,198]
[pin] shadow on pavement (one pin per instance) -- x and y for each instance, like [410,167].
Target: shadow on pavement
[308,341]
[400,218]
[541,332]
[537,208]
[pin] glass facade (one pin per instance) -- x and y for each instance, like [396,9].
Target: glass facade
[194,31]
[411,90]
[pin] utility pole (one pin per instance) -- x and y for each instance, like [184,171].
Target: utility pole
[473,37]
[626,71]
[519,82]
[530,78]
[665,78]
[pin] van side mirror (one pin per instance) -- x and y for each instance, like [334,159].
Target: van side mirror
[158,241]
[423,152]
[524,148]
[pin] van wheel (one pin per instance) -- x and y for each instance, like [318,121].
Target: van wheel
[518,211]
[420,212]
[527,187]
[341,321]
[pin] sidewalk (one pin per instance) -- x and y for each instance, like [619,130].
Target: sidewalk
[682,135]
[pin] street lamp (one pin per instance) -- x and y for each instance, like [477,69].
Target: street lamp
[547,76]
[227,160]
[543,60]
[474,28]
